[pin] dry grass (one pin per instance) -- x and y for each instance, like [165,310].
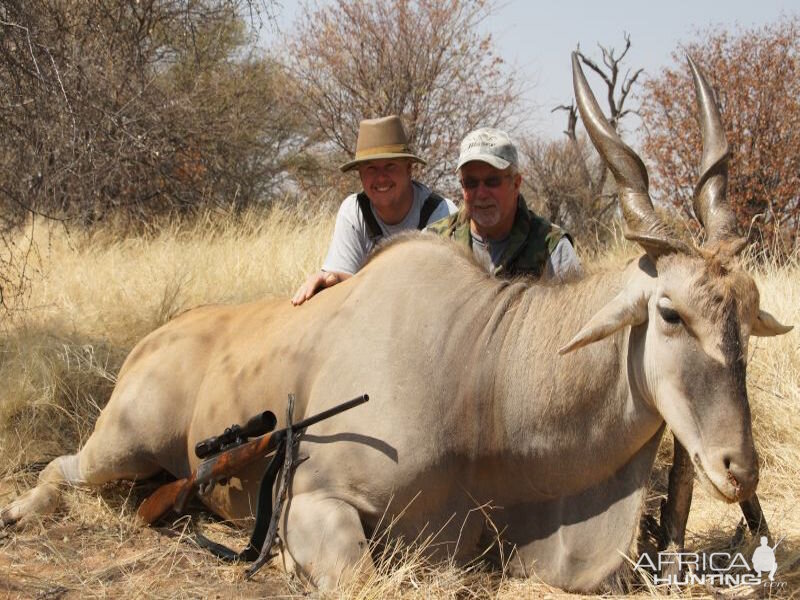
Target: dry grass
[93,297]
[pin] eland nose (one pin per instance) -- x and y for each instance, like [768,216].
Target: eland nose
[741,469]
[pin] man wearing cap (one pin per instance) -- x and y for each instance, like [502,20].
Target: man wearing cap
[390,203]
[505,237]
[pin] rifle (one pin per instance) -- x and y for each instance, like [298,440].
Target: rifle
[231,452]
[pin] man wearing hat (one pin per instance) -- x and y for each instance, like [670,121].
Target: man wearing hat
[505,237]
[391,202]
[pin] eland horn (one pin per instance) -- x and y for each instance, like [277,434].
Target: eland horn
[710,202]
[640,221]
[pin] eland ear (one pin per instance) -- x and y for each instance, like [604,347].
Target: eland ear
[766,325]
[624,310]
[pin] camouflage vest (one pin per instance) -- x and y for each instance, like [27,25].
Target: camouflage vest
[531,241]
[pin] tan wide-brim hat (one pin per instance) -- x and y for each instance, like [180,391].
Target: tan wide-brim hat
[379,139]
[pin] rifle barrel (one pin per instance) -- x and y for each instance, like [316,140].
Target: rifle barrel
[330,412]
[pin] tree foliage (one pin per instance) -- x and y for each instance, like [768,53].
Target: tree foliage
[756,74]
[422,59]
[134,108]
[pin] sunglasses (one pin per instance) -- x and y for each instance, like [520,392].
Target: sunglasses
[472,183]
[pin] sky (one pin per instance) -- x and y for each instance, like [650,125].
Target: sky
[536,38]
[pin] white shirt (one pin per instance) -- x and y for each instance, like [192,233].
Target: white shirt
[351,241]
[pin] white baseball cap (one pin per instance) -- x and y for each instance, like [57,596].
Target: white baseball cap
[488,145]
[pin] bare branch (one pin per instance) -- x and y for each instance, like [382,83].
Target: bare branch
[593,66]
[627,37]
[616,99]
[572,118]
[625,90]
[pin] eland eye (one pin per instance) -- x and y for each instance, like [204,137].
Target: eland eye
[670,315]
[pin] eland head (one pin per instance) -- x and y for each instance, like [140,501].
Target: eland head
[691,309]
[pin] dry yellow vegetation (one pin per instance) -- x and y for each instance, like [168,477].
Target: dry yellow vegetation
[93,297]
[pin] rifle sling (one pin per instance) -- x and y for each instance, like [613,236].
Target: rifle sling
[263,515]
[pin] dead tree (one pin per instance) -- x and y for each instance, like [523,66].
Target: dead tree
[616,101]
[617,92]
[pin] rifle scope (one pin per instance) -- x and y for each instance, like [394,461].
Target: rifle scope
[234,435]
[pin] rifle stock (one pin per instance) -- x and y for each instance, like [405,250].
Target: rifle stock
[164,498]
[225,464]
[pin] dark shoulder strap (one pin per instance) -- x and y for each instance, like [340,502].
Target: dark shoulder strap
[430,205]
[375,230]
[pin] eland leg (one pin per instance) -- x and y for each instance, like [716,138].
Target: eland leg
[113,451]
[325,540]
[675,509]
[754,516]
[44,498]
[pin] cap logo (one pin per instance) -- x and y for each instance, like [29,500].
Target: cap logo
[488,145]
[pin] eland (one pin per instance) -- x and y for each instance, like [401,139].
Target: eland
[482,393]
